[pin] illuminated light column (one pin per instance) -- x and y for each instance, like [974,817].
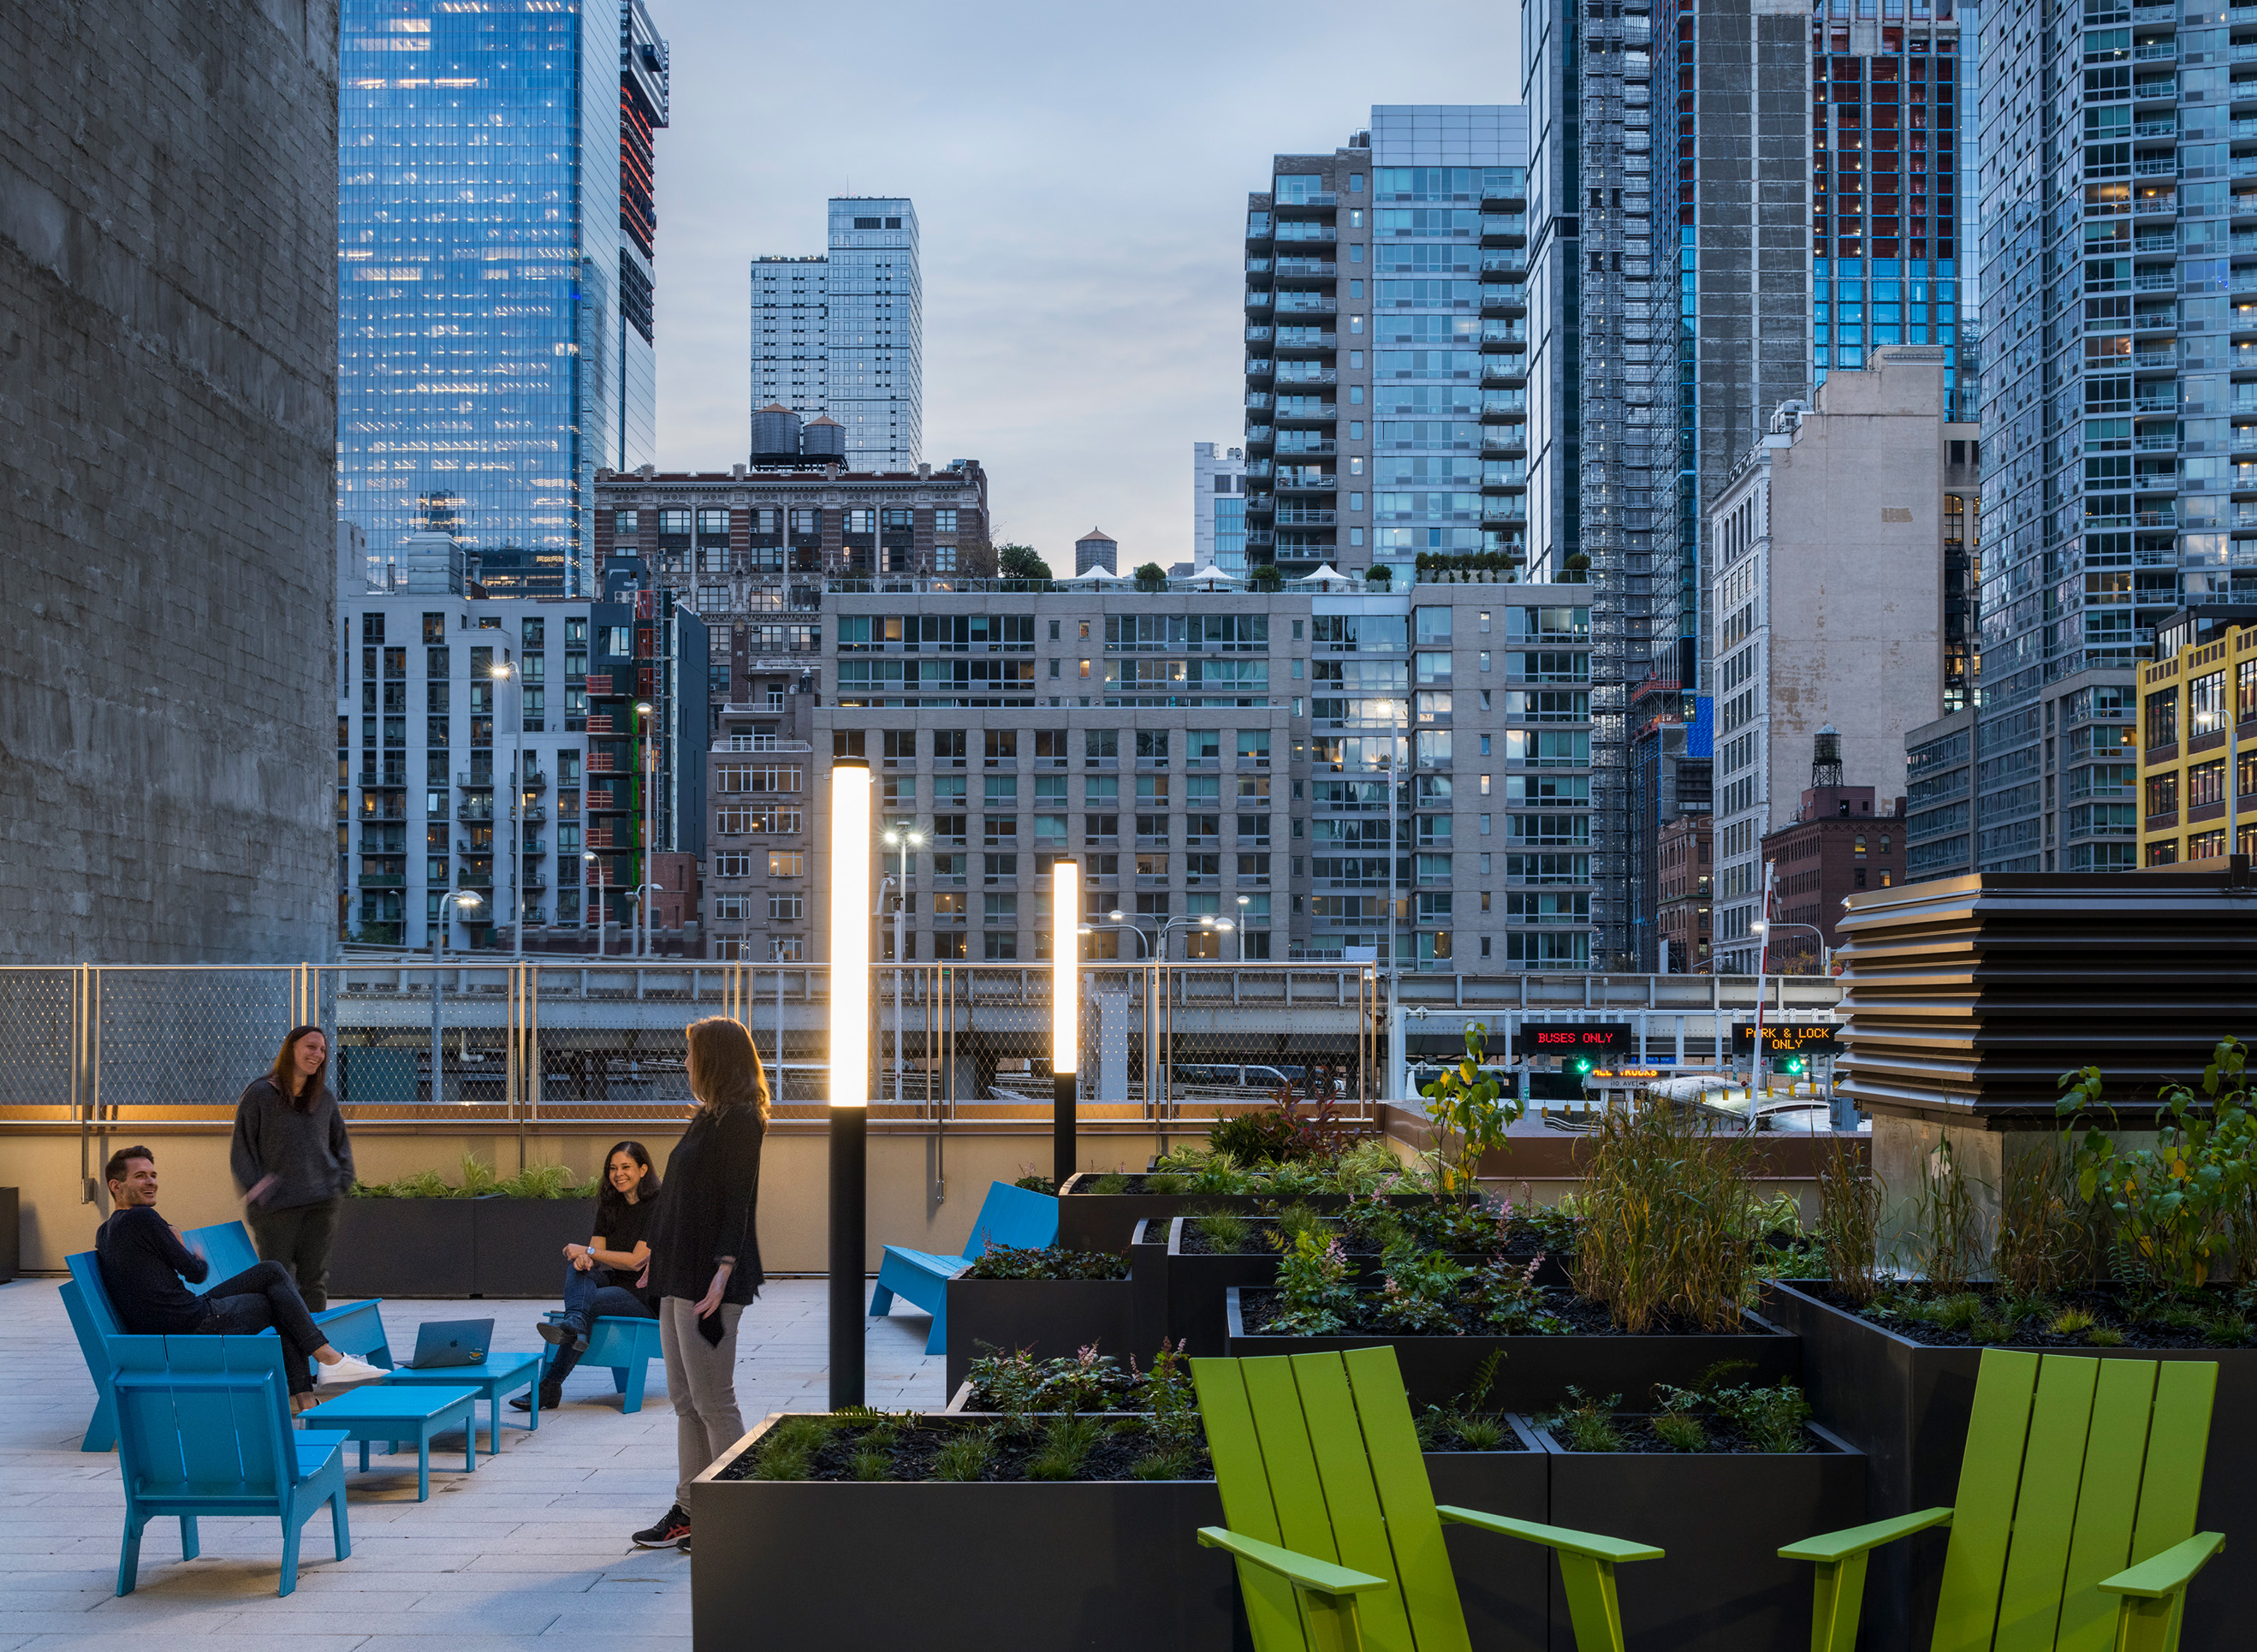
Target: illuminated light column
[1066,1007]
[850,1071]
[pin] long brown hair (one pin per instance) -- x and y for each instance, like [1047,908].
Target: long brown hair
[725,1068]
[285,1076]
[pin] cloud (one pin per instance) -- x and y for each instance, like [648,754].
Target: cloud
[1080,176]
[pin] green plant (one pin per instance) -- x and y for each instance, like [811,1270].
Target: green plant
[1679,1431]
[426,1184]
[541,1181]
[1219,1174]
[1166,1462]
[1367,1167]
[1850,1203]
[1083,1383]
[1379,577]
[1290,1128]
[479,1177]
[1151,576]
[968,1457]
[1174,1402]
[1468,1102]
[1583,1423]
[1169,1182]
[2104,1337]
[1507,1303]
[870,1462]
[2071,1322]
[1065,1447]
[2230,1330]
[789,1451]
[1295,1219]
[1267,576]
[1019,562]
[1225,1231]
[1774,1419]
[2183,1211]
[1662,1201]
[2041,1242]
[1420,1295]
[1311,1280]
[1462,1419]
[1048,1262]
[1947,1233]
[1034,1181]
[1111,1183]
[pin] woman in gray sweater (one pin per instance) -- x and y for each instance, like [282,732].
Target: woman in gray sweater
[293,1162]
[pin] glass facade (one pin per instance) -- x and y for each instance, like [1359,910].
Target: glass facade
[494,287]
[843,335]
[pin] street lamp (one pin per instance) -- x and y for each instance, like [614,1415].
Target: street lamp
[649,810]
[447,905]
[1065,1006]
[1143,941]
[903,840]
[850,1070]
[603,900]
[1244,901]
[501,672]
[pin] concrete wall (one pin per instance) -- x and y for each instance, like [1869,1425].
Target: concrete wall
[1856,567]
[167,438]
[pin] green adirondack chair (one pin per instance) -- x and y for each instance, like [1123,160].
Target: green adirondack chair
[1333,1520]
[2074,1530]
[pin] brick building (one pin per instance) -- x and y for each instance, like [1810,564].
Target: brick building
[1841,840]
[1682,915]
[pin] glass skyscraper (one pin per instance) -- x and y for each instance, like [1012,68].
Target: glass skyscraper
[496,220]
[843,335]
[2119,407]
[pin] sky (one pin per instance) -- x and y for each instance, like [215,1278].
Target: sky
[1081,178]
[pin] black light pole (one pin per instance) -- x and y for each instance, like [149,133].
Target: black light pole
[850,1072]
[1066,1017]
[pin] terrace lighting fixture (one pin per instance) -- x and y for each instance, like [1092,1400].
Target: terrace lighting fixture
[850,1070]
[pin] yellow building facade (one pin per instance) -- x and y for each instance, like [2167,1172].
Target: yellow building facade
[2191,706]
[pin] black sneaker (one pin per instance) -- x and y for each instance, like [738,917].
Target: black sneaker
[683,1545]
[552,1395]
[671,1532]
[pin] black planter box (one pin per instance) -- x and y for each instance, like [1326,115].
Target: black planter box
[455,1247]
[1107,1221]
[1906,1406]
[1537,1371]
[404,1247]
[519,1243]
[1078,1566]
[1198,1285]
[1721,1518]
[1052,1319]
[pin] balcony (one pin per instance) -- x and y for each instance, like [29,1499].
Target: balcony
[1302,374]
[1501,441]
[1291,483]
[478,810]
[1323,413]
[1294,304]
[383,880]
[482,782]
[599,686]
[1259,298]
[1258,400]
[1287,448]
[1291,269]
[1258,335]
[535,780]
[1260,367]
[1306,203]
[1494,410]
[1503,228]
[1306,517]
[1306,234]
[1306,342]
[1505,335]
[1500,373]
[1259,435]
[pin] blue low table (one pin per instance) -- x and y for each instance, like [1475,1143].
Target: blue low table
[378,1411]
[500,1376]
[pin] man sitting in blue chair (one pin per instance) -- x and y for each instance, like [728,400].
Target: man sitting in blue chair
[144,1261]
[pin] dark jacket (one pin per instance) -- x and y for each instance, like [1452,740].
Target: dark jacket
[705,1208]
[308,1154]
[142,1264]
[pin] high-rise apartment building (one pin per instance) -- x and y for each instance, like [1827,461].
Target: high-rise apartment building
[1385,345]
[1218,509]
[495,239]
[843,334]
[2119,417]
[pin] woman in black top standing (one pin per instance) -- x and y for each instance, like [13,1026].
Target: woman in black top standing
[704,1258]
[599,1276]
[293,1162]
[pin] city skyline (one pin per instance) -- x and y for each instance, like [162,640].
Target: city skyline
[1042,336]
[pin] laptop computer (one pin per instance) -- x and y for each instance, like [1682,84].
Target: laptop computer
[441,1342]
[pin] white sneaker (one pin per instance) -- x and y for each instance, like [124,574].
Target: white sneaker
[349,1369]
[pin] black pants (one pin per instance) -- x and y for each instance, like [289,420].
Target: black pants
[259,1299]
[299,1238]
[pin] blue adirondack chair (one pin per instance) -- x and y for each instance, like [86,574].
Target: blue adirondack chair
[204,1428]
[352,1327]
[1015,1217]
[358,1328]
[626,1345]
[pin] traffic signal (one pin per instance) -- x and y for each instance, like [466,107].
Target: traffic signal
[1791,1064]
[1582,1064]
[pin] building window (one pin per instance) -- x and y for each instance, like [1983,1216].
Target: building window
[786,906]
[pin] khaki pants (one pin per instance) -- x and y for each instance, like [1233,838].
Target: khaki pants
[701,1379]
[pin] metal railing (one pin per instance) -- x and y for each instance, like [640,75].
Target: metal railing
[513,1047]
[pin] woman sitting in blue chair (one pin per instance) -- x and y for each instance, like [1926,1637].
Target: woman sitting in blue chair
[601,1277]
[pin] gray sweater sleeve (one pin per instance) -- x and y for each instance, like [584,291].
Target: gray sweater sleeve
[244,1157]
[309,1154]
